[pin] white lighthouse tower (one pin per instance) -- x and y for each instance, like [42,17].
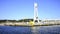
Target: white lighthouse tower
[36,20]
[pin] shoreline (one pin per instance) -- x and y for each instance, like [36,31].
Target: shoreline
[31,25]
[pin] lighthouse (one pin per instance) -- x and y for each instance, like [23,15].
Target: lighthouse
[36,20]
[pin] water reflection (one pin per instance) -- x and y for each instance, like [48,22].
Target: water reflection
[35,30]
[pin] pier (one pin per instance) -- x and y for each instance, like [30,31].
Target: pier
[42,23]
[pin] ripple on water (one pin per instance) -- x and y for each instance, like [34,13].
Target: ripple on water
[30,30]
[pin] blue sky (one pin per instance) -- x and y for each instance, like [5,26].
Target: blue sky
[20,9]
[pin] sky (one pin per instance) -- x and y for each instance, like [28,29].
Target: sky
[21,9]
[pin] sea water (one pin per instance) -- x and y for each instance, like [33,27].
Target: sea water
[30,30]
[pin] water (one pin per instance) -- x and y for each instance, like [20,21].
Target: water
[30,30]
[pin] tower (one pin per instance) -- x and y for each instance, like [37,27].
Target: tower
[36,20]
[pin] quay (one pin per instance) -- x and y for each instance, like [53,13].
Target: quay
[27,24]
